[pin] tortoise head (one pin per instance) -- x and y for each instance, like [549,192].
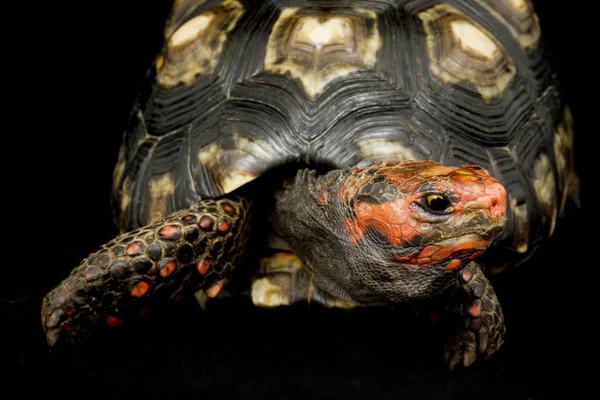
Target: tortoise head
[392,231]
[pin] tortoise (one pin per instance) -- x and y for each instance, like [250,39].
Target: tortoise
[370,152]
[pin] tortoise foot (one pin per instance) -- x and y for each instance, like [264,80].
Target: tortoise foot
[475,320]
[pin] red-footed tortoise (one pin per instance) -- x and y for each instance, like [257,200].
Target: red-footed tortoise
[420,133]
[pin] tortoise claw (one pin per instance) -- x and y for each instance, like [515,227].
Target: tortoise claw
[462,352]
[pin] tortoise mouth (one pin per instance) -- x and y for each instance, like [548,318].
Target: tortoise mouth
[486,232]
[464,242]
[489,233]
[482,233]
[471,239]
[477,223]
[493,231]
[439,250]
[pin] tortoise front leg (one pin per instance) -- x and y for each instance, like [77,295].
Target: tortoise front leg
[474,319]
[193,249]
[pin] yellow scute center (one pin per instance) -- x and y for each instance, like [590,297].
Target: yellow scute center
[318,35]
[189,31]
[474,40]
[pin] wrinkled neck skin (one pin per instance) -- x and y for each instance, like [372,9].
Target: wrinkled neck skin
[359,259]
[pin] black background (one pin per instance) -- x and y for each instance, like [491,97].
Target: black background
[77,75]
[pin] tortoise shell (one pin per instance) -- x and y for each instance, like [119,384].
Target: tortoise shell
[241,87]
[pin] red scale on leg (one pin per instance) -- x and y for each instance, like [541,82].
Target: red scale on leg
[475,310]
[224,225]
[214,290]
[136,248]
[170,232]
[166,267]
[466,275]
[206,223]
[189,218]
[113,321]
[91,274]
[140,289]
[203,266]
[228,208]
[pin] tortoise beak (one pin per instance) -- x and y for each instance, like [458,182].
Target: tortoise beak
[494,200]
[494,230]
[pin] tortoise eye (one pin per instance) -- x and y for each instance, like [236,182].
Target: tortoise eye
[437,203]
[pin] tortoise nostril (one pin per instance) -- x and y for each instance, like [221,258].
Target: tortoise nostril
[494,202]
